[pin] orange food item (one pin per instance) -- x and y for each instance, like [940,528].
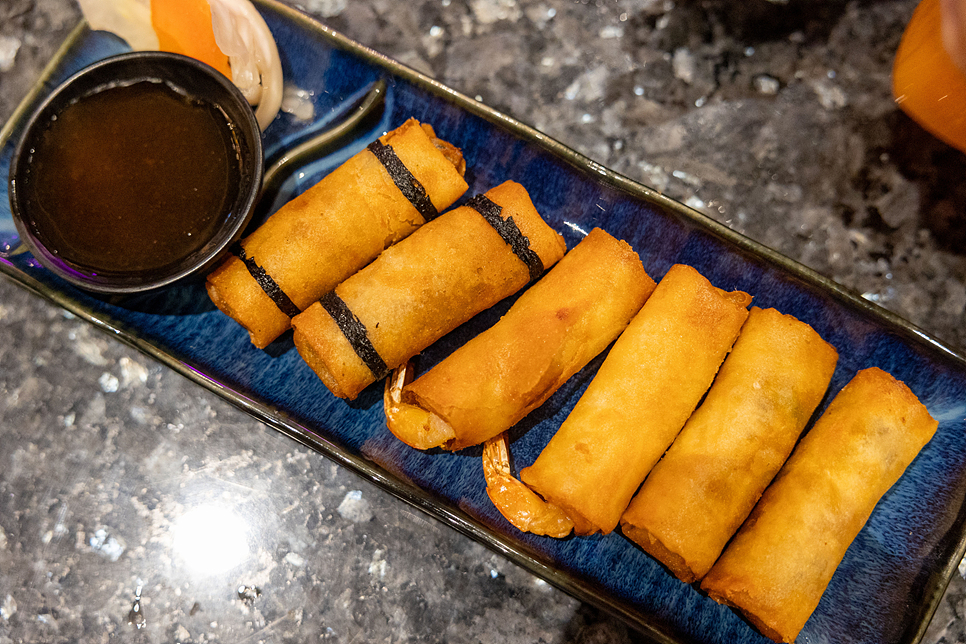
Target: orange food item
[550,333]
[454,267]
[777,567]
[184,27]
[330,231]
[927,84]
[516,502]
[707,483]
[653,378]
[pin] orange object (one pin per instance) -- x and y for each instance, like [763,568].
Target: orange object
[184,27]
[516,502]
[927,84]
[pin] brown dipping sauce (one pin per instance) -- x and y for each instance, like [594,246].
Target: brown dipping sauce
[132,177]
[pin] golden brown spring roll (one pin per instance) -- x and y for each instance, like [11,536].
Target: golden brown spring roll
[424,287]
[336,227]
[651,381]
[783,557]
[549,334]
[696,497]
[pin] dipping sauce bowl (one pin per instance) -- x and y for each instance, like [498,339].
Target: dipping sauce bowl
[136,172]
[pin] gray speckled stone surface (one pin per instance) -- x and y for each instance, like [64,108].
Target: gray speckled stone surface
[773,117]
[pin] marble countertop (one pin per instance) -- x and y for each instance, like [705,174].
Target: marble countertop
[775,118]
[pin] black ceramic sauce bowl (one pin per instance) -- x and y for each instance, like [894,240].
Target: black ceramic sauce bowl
[66,231]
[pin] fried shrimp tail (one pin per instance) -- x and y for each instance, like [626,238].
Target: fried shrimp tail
[411,424]
[515,501]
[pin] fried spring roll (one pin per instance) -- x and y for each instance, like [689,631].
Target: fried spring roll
[333,229]
[424,287]
[783,557]
[651,381]
[549,334]
[697,496]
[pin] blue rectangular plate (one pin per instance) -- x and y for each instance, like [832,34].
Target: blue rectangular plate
[897,569]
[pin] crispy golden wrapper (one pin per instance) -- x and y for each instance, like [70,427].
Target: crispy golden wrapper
[697,496]
[651,381]
[424,287]
[335,228]
[778,565]
[549,334]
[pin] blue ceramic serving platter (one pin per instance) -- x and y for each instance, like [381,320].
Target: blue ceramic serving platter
[893,575]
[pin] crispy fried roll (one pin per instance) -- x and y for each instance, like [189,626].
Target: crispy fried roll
[651,381]
[696,497]
[783,557]
[549,334]
[425,286]
[333,229]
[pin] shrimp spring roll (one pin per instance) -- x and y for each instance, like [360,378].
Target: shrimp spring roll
[651,381]
[778,565]
[377,197]
[697,496]
[425,286]
[552,331]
